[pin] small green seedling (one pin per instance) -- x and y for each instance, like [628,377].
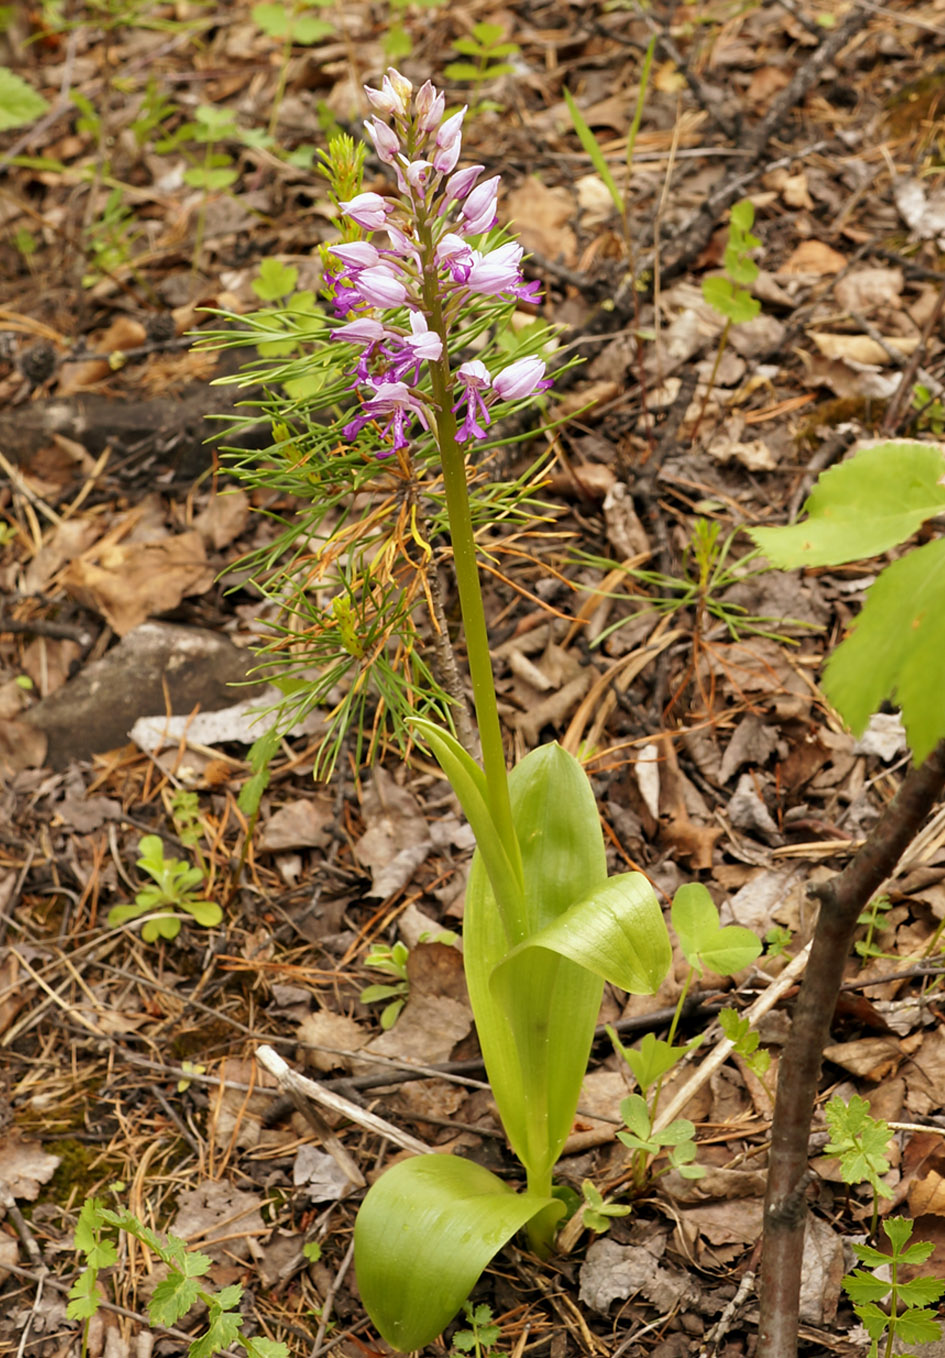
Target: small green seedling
[909,1318]
[930,413]
[172,898]
[873,918]
[744,1042]
[292,24]
[394,962]
[482,1333]
[209,169]
[173,1297]
[707,946]
[678,1139]
[860,1142]
[777,941]
[598,1212]
[620,198]
[488,51]
[728,293]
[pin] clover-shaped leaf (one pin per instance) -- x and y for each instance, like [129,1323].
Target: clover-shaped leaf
[708,946]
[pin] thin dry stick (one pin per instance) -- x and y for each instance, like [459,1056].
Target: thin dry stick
[842,900]
[288,1079]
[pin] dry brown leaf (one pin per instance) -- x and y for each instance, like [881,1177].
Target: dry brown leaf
[872,1058]
[540,216]
[812,257]
[305,823]
[216,1211]
[860,348]
[24,1166]
[22,746]
[224,518]
[323,1030]
[396,839]
[427,1030]
[132,581]
[862,290]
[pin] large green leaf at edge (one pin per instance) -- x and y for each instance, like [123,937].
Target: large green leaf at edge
[425,1232]
[862,507]
[897,650]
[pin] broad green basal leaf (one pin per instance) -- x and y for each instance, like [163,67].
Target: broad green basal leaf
[895,651]
[424,1234]
[862,507]
[705,943]
[536,1030]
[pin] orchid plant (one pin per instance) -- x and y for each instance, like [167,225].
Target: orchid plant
[414,283]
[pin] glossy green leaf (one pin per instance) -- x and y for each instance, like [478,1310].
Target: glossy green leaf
[617,932]
[895,651]
[469,783]
[705,943]
[424,1234]
[536,1027]
[862,507]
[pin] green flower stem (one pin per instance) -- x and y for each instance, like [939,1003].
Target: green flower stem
[470,598]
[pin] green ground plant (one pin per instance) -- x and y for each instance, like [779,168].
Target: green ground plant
[908,1317]
[872,918]
[727,293]
[174,896]
[619,196]
[861,508]
[707,946]
[860,1142]
[484,59]
[291,23]
[930,412]
[172,1298]
[482,1334]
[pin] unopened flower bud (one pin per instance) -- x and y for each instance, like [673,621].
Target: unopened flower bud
[385,140]
[369,210]
[428,106]
[479,209]
[460,183]
[521,378]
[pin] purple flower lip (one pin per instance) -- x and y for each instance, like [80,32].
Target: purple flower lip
[474,379]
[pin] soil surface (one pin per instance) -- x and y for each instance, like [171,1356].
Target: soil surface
[129,1068]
